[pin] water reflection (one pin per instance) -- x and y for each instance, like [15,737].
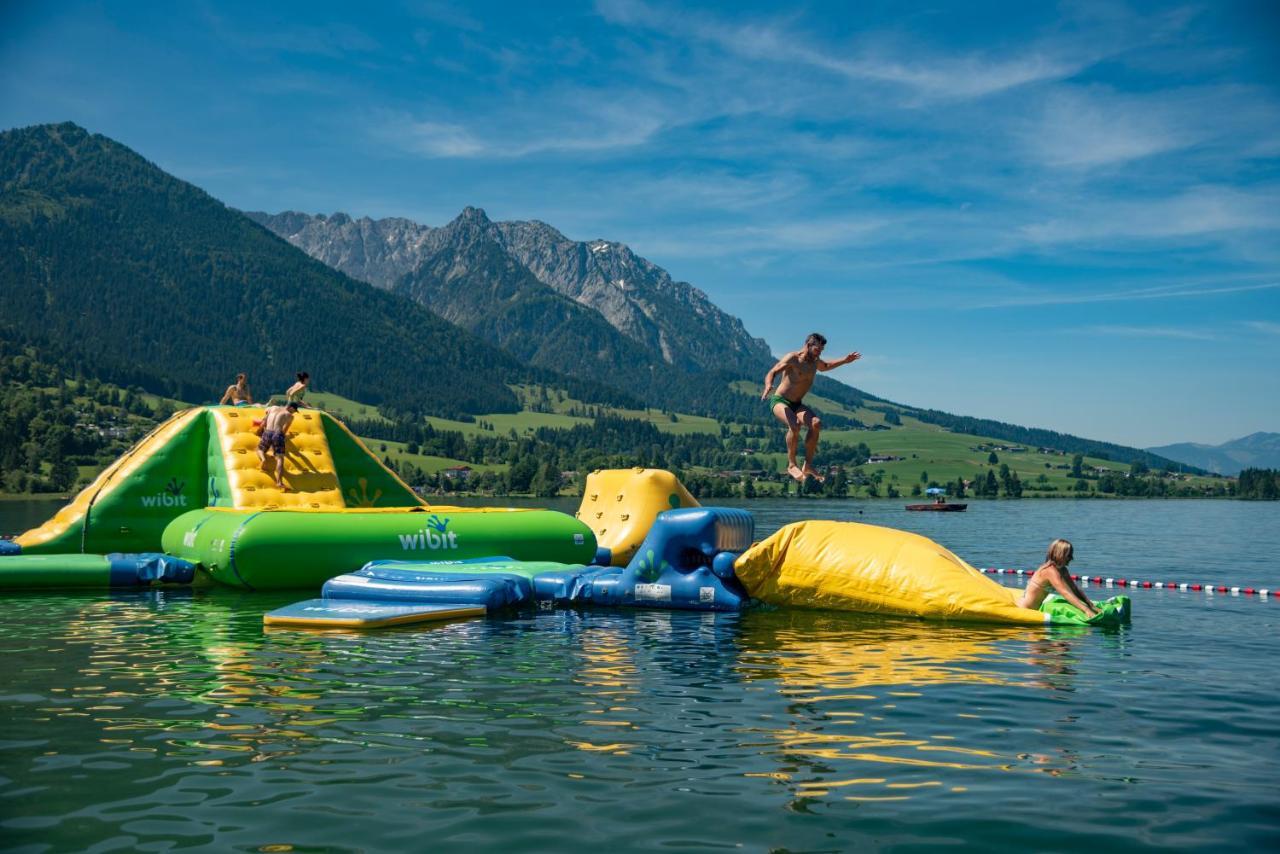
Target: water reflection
[856,686]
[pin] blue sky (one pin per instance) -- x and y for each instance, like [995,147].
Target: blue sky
[1064,215]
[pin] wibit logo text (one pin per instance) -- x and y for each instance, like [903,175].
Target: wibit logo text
[171,496]
[436,535]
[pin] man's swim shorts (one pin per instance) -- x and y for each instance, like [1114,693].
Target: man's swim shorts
[272,440]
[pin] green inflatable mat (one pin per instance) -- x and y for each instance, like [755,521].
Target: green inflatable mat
[1113,612]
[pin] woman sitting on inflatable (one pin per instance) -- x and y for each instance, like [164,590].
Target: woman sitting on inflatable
[1053,573]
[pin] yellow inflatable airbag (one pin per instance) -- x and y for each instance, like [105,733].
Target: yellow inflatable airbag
[846,566]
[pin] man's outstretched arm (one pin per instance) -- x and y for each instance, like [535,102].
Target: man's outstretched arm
[827,366]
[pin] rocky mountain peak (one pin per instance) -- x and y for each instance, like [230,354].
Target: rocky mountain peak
[471,225]
[671,319]
[473,216]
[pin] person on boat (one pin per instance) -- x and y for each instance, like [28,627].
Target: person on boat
[798,370]
[1053,574]
[298,390]
[274,427]
[238,394]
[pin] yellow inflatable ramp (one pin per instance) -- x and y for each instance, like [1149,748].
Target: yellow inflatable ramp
[620,506]
[310,476]
[846,566]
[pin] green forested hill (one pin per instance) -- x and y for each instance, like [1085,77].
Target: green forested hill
[110,264]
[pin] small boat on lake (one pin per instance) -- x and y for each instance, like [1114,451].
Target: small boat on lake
[939,503]
[938,506]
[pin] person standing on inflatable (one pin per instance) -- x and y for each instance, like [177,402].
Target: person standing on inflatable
[798,370]
[298,390]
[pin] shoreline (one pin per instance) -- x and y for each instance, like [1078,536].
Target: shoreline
[54,496]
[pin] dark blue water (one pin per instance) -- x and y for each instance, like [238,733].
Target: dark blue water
[164,720]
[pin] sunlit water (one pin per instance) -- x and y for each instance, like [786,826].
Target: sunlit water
[163,720]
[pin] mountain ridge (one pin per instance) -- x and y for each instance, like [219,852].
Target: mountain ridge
[147,280]
[137,277]
[1257,450]
[638,298]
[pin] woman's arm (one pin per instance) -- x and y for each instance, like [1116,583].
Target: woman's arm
[1067,589]
[1080,592]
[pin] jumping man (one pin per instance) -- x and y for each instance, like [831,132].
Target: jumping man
[798,370]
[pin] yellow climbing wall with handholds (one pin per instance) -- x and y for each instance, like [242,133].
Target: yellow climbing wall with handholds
[620,506]
[311,480]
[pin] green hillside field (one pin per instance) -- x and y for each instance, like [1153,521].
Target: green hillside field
[928,454]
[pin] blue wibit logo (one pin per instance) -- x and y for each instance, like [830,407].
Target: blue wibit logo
[437,524]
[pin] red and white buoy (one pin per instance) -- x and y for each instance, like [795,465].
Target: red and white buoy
[1182,586]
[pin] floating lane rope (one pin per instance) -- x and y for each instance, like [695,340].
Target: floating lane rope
[1182,586]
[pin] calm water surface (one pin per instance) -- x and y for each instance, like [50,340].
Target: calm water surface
[164,720]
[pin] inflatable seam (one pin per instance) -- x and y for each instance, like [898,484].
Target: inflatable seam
[231,548]
[115,469]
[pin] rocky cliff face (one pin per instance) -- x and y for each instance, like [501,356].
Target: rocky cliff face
[375,251]
[673,320]
[472,281]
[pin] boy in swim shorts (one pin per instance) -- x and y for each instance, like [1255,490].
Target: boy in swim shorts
[274,426]
[798,371]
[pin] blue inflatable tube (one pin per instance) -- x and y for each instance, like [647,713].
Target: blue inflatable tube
[387,584]
[18,572]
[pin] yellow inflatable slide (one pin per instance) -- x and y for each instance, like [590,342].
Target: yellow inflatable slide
[847,566]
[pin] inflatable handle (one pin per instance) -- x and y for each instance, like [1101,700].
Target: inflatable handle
[131,570]
[722,565]
[604,556]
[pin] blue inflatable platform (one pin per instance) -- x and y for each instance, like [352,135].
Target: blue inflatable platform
[349,614]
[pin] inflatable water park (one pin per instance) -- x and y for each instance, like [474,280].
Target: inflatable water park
[192,504]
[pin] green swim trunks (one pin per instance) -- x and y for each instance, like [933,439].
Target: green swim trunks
[777,398]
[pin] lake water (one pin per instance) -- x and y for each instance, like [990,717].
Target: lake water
[162,720]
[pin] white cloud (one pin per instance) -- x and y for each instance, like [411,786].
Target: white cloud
[1172,291]
[909,66]
[1173,332]
[1265,326]
[1083,128]
[434,139]
[577,124]
[1198,211]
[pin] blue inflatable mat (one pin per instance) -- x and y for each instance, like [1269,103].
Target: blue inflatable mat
[489,591]
[344,613]
[496,581]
